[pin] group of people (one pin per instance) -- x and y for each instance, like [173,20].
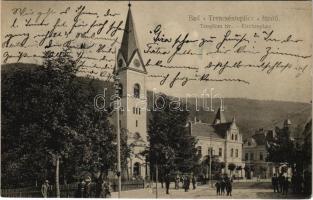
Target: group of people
[186,180]
[224,184]
[280,183]
[100,189]
[85,189]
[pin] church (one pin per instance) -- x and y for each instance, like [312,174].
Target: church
[132,74]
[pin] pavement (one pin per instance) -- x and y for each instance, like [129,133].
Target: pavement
[206,192]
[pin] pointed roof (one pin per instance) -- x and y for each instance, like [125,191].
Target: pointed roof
[129,48]
[209,130]
[233,123]
[234,119]
[219,118]
[129,42]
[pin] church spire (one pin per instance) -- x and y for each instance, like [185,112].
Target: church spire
[129,42]
[219,118]
[234,119]
[233,122]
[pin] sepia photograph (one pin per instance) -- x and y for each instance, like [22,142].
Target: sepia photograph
[156,99]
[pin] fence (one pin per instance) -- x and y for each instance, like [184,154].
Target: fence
[67,191]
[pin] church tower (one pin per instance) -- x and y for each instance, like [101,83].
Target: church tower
[133,116]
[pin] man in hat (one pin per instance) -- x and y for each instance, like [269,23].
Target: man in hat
[87,192]
[275,183]
[193,180]
[80,189]
[167,183]
[45,189]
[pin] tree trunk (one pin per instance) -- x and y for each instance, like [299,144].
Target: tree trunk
[57,171]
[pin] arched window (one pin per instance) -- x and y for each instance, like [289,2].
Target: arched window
[232,136]
[199,148]
[236,138]
[136,169]
[120,90]
[137,136]
[136,90]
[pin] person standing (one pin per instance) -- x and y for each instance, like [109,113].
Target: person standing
[281,182]
[167,183]
[98,187]
[87,188]
[185,179]
[275,183]
[286,186]
[177,179]
[218,188]
[229,187]
[45,189]
[223,186]
[193,182]
[162,180]
[188,182]
[106,193]
[307,183]
[80,189]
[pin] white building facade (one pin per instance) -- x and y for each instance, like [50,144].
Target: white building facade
[223,138]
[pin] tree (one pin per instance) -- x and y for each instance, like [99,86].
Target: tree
[231,167]
[239,168]
[49,124]
[216,165]
[248,169]
[283,149]
[307,145]
[223,165]
[171,146]
[263,170]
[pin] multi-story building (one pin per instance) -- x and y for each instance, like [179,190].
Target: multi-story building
[222,138]
[255,153]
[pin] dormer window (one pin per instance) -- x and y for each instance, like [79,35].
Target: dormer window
[199,148]
[137,90]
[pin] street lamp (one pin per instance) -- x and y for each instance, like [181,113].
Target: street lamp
[117,104]
[210,164]
[156,175]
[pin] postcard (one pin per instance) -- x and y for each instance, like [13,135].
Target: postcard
[156,99]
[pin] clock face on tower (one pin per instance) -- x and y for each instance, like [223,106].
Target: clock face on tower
[136,62]
[120,63]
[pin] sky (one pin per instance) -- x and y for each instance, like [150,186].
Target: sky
[289,18]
